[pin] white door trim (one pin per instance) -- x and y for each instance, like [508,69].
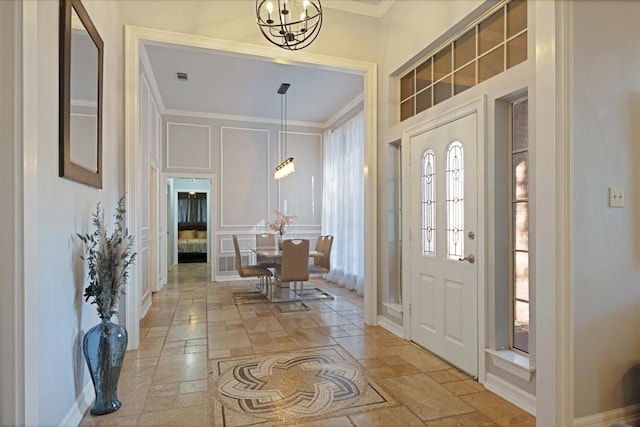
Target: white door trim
[551,50]
[19,377]
[565,351]
[478,107]
[11,303]
[134,36]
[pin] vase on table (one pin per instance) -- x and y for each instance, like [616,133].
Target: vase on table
[104,346]
[280,239]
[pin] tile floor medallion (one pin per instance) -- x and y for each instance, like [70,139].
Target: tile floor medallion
[291,387]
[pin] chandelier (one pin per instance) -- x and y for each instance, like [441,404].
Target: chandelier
[286,167]
[289,24]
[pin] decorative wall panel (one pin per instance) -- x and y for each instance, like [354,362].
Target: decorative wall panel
[145,142]
[301,193]
[155,133]
[244,177]
[188,146]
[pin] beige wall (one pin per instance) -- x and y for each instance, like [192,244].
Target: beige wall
[606,261]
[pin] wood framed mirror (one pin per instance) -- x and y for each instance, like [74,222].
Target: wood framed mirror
[81,66]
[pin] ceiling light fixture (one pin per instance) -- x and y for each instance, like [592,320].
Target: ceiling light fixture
[294,25]
[286,167]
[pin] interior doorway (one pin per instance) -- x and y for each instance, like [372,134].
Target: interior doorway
[189,203]
[192,225]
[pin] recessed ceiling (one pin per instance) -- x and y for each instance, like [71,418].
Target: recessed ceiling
[235,85]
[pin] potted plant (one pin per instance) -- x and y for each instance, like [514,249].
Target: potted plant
[108,259]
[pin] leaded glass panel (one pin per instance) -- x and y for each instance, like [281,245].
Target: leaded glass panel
[428,203]
[454,175]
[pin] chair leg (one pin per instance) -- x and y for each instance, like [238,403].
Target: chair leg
[302,294]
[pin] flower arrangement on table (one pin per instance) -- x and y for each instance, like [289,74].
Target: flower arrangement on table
[281,221]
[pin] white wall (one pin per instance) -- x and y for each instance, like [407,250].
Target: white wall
[406,31]
[63,208]
[606,87]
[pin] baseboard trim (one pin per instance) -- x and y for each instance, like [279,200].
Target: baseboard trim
[146,306]
[628,414]
[511,393]
[390,326]
[76,412]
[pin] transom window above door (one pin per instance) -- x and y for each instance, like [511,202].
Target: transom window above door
[491,45]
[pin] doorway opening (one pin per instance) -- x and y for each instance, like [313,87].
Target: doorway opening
[192,226]
[190,217]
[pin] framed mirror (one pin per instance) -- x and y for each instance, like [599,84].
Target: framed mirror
[81,62]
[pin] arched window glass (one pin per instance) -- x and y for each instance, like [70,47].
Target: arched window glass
[428,203]
[454,175]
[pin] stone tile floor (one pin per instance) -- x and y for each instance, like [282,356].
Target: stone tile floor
[193,322]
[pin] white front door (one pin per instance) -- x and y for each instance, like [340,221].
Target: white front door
[443,241]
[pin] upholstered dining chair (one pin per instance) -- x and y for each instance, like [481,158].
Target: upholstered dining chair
[266,241]
[263,273]
[294,265]
[322,264]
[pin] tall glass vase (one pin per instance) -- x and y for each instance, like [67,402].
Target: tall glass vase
[104,346]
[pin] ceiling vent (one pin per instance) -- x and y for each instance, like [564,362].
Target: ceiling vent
[183,77]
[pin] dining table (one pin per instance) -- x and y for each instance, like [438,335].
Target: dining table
[277,253]
[272,296]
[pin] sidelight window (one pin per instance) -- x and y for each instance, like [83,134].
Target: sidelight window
[519,224]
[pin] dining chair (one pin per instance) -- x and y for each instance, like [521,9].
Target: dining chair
[294,265]
[266,241]
[263,273]
[322,264]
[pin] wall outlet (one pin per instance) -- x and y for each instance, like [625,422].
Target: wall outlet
[616,197]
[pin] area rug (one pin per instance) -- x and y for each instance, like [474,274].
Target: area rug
[291,388]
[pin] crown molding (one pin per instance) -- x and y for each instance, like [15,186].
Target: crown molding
[376,11]
[345,110]
[233,117]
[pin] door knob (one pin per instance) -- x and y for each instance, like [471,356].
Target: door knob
[469,258]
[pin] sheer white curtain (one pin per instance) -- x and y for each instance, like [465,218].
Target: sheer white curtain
[343,201]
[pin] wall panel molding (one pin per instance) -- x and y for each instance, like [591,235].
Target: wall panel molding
[188,146]
[302,196]
[244,164]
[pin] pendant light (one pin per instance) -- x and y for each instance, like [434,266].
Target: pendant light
[286,167]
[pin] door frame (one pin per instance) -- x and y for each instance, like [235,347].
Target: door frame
[211,214]
[477,106]
[134,37]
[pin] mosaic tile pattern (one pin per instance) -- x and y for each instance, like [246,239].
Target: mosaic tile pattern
[292,387]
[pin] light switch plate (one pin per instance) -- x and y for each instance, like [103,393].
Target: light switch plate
[616,197]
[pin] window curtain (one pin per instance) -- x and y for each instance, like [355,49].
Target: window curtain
[343,201]
[192,210]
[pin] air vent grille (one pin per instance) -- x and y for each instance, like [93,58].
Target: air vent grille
[227,264]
